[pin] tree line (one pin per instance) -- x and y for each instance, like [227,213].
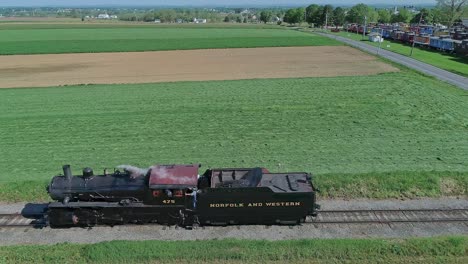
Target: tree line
[446,12]
[171,15]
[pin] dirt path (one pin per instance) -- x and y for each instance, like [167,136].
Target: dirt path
[187,65]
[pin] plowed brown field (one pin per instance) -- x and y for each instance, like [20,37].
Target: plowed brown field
[186,65]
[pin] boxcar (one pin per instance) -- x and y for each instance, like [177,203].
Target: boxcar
[422,40]
[461,48]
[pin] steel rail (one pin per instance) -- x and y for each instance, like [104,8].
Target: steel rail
[388,216]
[394,210]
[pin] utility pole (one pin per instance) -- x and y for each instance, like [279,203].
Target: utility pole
[419,24]
[364,30]
[380,41]
[326,21]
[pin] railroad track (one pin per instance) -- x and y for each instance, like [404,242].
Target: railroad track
[17,220]
[391,216]
[324,217]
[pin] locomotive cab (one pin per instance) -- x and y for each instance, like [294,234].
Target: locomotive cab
[172,184]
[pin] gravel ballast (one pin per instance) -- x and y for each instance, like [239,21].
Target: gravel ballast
[14,236]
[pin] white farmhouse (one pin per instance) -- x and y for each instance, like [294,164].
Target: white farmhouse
[103,16]
[199,20]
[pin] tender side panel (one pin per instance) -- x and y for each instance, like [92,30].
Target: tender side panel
[253,206]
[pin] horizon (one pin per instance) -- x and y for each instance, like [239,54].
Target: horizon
[203,3]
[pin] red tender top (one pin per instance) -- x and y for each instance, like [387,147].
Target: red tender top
[173,176]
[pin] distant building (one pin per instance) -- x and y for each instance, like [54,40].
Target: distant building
[103,16]
[199,20]
[375,37]
[157,21]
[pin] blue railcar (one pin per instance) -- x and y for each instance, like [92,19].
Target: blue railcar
[435,43]
[387,33]
[449,44]
[443,43]
[426,30]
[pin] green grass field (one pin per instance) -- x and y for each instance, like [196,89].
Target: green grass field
[415,250]
[389,135]
[446,61]
[75,38]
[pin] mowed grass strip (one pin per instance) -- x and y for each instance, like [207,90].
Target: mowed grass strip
[415,250]
[77,40]
[447,61]
[403,124]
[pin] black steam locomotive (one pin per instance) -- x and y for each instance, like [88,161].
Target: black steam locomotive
[176,194]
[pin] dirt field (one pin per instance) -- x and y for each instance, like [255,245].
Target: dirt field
[187,65]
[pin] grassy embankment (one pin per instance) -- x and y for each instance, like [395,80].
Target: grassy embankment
[446,61]
[75,38]
[395,135]
[421,250]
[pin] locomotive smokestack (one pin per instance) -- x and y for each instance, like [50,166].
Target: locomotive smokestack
[67,172]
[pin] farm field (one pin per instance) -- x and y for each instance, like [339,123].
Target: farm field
[68,38]
[446,61]
[388,135]
[415,250]
[187,65]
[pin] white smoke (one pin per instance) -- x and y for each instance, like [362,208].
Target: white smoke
[134,171]
[163,173]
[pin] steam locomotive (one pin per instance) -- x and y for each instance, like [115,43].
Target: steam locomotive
[178,195]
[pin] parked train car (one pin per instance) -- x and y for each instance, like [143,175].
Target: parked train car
[461,48]
[422,40]
[443,43]
[459,35]
[387,33]
[176,194]
[397,35]
[408,37]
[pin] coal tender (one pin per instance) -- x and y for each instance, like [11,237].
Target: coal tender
[178,195]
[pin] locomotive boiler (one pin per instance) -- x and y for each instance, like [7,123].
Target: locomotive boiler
[177,194]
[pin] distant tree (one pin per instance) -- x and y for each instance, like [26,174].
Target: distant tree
[356,13]
[424,16]
[384,16]
[294,15]
[403,16]
[266,16]
[359,12]
[239,19]
[227,19]
[312,14]
[245,19]
[452,9]
[339,16]
[437,16]
[148,17]
[327,11]
[166,15]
